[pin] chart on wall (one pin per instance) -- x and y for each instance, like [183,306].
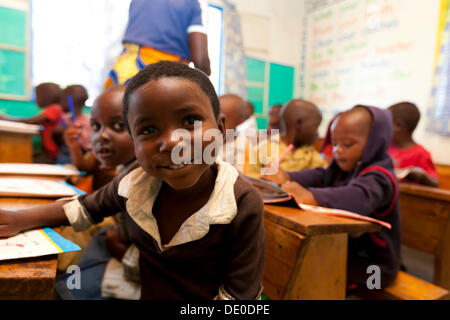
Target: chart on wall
[373,52]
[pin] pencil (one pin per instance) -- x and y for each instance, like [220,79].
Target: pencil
[72,111]
[285,153]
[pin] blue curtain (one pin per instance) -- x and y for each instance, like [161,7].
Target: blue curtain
[235,68]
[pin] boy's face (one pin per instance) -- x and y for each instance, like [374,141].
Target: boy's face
[111,142]
[349,135]
[156,110]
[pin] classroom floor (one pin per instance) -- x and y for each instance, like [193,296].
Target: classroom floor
[417,263]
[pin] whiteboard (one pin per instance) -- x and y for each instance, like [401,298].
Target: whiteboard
[372,52]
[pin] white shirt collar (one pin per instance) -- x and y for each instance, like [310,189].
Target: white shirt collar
[141,190]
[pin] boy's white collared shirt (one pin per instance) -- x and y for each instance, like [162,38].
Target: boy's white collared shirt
[142,189]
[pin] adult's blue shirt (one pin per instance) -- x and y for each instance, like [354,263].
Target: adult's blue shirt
[165,24]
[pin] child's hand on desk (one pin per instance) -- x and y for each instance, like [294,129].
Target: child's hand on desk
[279,177]
[114,243]
[9,224]
[299,193]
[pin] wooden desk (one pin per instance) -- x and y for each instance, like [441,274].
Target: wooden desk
[426,225]
[31,278]
[443,172]
[16,141]
[306,253]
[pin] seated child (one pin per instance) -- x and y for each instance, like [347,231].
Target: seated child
[48,98]
[360,179]
[198,226]
[112,146]
[274,118]
[239,123]
[326,149]
[405,152]
[79,96]
[300,120]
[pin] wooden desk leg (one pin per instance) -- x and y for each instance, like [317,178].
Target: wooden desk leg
[442,260]
[321,269]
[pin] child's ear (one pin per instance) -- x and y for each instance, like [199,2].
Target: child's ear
[221,124]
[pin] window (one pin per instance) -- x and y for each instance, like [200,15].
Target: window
[77,42]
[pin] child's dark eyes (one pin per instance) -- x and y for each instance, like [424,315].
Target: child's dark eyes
[147,130]
[190,120]
[347,144]
[118,126]
[344,144]
[95,126]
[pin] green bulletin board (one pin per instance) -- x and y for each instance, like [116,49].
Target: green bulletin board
[14,54]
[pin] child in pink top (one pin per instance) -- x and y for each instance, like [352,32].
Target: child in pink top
[79,96]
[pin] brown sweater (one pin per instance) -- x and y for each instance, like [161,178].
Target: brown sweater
[230,256]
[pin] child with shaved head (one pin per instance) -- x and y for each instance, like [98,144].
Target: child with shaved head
[361,179]
[299,121]
[406,153]
[48,98]
[239,123]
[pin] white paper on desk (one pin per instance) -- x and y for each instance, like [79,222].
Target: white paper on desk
[35,243]
[24,187]
[36,169]
[19,127]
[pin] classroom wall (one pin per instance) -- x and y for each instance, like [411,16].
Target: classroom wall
[340,44]
[272,33]
[269,28]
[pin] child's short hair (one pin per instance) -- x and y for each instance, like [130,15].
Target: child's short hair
[168,69]
[53,92]
[406,112]
[78,92]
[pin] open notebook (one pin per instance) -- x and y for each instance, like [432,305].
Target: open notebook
[25,187]
[36,169]
[272,193]
[35,243]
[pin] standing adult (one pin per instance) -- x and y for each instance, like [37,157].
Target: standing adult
[158,30]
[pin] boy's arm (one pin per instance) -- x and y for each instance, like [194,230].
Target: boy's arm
[80,213]
[418,175]
[11,223]
[309,177]
[197,37]
[33,120]
[198,46]
[365,194]
[246,264]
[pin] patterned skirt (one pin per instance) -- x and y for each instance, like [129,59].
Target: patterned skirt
[134,58]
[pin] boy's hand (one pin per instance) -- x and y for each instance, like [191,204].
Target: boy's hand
[71,136]
[279,177]
[418,175]
[299,193]
[9,224]
[114,243]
